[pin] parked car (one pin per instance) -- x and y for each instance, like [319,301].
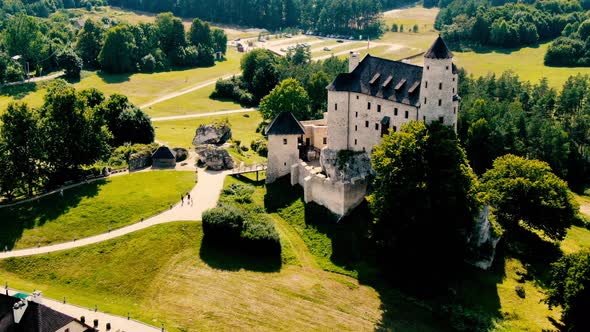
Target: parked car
[340,41]
[327,49]
[289,35]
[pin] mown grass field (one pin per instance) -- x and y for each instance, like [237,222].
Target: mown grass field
[139,88]
[194,102]
[181,132]
[91,208]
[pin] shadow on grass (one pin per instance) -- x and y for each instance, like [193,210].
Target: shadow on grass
[234,258]
[14,220]
[19,91]
[114,78]
[470,299]
[483,49]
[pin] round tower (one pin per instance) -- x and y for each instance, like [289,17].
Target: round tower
[283,145]
[439,100]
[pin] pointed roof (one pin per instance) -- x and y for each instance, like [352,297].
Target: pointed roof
[163,152]
[438,50]
[285,124]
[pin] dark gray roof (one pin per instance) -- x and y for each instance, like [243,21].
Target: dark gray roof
[438,50]
[37,317]
[163,152]
[402,87]
[285,124]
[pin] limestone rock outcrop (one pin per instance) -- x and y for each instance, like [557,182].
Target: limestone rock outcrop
[180,153]
[214,157]
[216,133]
[345,165]
[140,160]
[482,241]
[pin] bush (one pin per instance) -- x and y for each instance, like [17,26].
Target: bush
[239,193]
[223,222]
[520,291]
[259,234]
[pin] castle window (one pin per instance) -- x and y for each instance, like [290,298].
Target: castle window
[369,105]
[395,111]
[440,86]
[427,67]
[284,141]
[426,85]
[357,97]
[325,140]
[424,118]
[439,102]
[378,108]
[356,114]
[356,128]
[453,79]
[335,107]
[407,114]
[376,126]
[355,141]
[441,119]
[364,149]
[424,100]
[366,124]
[454,110]
[447,67]
[285,164]
[453,90]
[394,129]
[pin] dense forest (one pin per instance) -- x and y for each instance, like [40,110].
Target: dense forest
[472,23]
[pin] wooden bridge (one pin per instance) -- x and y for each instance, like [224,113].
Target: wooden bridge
[249,169]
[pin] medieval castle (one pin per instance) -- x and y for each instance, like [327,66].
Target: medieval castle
[330,158]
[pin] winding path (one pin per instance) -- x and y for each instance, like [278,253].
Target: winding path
[202,115]
[205,195]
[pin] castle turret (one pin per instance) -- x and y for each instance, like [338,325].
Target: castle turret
[283,150]
[438,91]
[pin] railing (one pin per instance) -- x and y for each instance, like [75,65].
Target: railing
[249,169]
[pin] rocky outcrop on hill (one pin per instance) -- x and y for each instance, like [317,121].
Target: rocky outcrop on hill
[345,165]
[140,160]
[482,240]
[214,157]
[216,133]
[180,153]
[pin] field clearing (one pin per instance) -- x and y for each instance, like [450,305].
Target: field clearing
[424,17]
[181,132]
[135,17]
[190,287]
[139,88]
[195,102]
[92,208]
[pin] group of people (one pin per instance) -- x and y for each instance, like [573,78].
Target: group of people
[189,199]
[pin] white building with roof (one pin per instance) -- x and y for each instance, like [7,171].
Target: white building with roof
[375,96]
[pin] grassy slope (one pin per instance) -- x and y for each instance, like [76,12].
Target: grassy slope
[92,208]
[194,102]
[140,88]
[182,132]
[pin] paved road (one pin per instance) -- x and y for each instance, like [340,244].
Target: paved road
[36,79]
[202,115]
[187,90]
[118,323]
[205,195]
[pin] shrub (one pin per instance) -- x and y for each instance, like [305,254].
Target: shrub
[223,222]
[239,193]
[260,235]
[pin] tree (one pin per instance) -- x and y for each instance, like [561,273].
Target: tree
[288,96]
[171,32]
[20,142]
[89,43]
[118,50]
[259,72]
[318,94]
[479,146]
[22,36]
[200,34]
[424,200]
[219,41]
[133,126]
[526,191]
[70,62]
[570,289]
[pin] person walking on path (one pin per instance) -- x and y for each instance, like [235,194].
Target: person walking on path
[188,199]
[181,200]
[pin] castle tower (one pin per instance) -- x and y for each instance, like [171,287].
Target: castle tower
[283,149]
[439,100]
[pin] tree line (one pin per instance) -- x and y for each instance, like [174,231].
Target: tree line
[41,148]
[292,83]
[468,23]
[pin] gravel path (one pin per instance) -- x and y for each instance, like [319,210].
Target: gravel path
[202,115]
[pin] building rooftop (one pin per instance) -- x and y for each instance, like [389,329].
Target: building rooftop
[285,124]
[393,80]
[163,152]
[438,50]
